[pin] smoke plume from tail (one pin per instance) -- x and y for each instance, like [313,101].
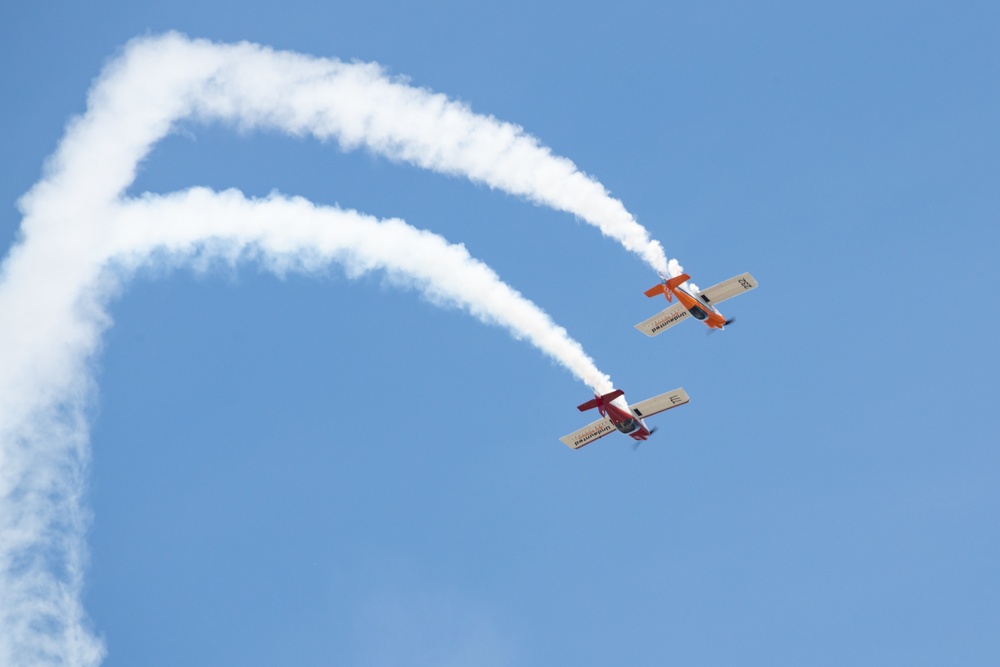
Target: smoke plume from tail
[80,240]
[160,80]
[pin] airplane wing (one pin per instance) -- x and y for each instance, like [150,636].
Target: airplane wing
[663,320]
[651,406]
[727,289]
[589,433]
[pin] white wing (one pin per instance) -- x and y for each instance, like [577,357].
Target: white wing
[727,289]
[589,433]
[652,406]
[663,320]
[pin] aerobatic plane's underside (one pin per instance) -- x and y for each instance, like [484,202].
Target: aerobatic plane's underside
[699,305]
[629,420]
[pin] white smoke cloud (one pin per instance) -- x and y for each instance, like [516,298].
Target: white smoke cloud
[80,239]
[355,104]
[292,234]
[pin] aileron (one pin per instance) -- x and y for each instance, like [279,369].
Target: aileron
[589,433]
[727,289]
[663,320]
[661,403]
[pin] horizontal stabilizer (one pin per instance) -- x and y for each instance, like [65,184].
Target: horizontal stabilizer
[652,406]
[667,287]
[589,433]
[663,320]
[727,289]
[674,283]
[603,400]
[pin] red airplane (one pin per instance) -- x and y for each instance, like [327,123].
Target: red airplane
[700,305]
[616,414]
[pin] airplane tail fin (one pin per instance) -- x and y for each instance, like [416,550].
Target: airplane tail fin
[600,401]
[656,289]
[675,282]
[667,288]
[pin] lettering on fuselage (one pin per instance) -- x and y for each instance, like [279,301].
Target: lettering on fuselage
[596,432]
[666,322]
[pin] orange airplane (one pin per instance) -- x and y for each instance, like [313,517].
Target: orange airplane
[700,305]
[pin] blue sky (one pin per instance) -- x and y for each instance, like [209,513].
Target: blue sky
[319,470]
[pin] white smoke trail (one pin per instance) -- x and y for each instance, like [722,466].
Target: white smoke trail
[295,234]
[79,239]
[356,104]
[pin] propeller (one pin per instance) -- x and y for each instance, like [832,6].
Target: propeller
[636,443]
[725,324]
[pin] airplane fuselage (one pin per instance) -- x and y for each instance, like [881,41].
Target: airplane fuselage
[618,415]
[700,310]
[626,422]
[701,305]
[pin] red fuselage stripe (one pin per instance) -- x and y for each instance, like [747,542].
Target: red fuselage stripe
[618,416]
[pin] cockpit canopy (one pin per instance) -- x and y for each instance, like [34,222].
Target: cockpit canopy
[628,425]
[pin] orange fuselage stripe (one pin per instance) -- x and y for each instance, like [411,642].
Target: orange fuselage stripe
[714,320]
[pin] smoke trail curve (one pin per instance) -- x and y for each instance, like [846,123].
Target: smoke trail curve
[160,80]
[79,241]
[295,234]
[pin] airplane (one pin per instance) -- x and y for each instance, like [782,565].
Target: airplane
[618,415]
[700,305]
